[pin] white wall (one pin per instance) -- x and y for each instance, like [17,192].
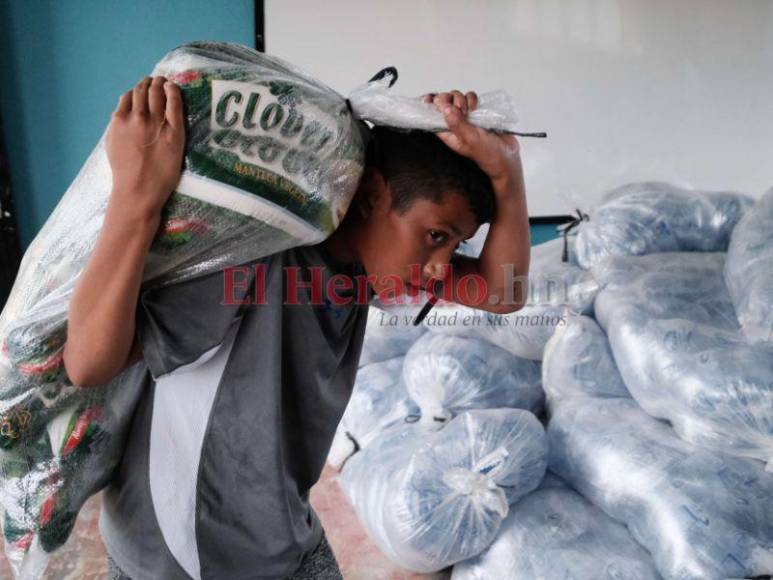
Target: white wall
[679,90]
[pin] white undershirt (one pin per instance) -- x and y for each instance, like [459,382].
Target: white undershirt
[181,407]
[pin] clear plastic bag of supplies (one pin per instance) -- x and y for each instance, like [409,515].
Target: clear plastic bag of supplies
[556,291]
[681,359]
[272,160]
[379,399]
[650,217]
[429,499]
[749,270]
[445,375]
[389,332]
[685,285]
[555,534]
[375,102]
[702,515]
[522,333]
[578,362]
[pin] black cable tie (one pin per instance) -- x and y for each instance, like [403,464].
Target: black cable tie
[564,229]
[356,449]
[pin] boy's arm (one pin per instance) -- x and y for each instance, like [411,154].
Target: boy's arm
[496,281]
[503,264]
[144,146]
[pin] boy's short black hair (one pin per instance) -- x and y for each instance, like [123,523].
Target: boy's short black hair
[417,164]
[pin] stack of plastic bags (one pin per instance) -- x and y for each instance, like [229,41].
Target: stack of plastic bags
[273,158]
[749,270]
[686,499]
[578,362]
[429,499]
[651,217]
[448,374]
[555,534]
[389,332]
[379,400]
[674,335]
[702,515]
[556,290]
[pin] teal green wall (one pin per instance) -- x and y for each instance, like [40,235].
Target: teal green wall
[543,233]
[63,65]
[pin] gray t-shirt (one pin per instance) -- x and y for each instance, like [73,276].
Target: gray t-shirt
[235,421]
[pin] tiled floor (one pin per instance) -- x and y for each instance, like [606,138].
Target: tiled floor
[83,557]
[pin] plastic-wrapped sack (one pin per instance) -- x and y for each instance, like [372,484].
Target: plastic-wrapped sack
[556,291]
[379,399]
[686,285]
[429,499]
[702,515]
[445,375]
[683,359]
[650,217]
[376,103]
[749,270]
[555,534]
[579,363]
[273,159]
[523,333]
[389,332]
[45,482]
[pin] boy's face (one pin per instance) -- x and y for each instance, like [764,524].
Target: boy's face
[425,235]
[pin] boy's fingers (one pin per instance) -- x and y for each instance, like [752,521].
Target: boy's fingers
[458,124]
[157,98]
[427,98]
[460,101]
[443,100]
[472,101]
[140,96]
[124,104]
[174,105]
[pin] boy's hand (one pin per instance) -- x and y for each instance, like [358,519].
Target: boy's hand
[497,155]
[145,143]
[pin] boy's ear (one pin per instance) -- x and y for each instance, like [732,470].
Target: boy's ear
[374,190]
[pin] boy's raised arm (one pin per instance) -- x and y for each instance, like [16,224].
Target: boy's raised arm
[145,147]
[503,264]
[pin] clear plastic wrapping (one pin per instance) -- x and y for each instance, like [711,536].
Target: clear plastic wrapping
[578,362]
[555,534]
[650,217]
[702,515]
[430,499]
[272,160]
[686,285]
[445,375]
[682,357]
[749,270]
[379,399]
[375,102]
[389,333]
[556,290]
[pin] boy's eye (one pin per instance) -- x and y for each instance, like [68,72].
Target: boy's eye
[438,237]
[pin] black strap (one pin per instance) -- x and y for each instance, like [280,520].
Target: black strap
[386,71]
[389,71]
[564,230]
